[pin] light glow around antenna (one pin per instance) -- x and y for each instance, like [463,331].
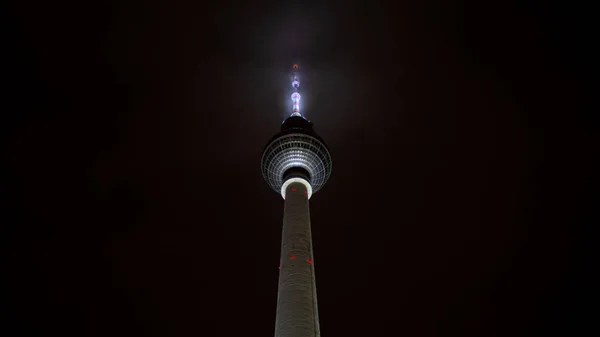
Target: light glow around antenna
[296,100]
[296,96]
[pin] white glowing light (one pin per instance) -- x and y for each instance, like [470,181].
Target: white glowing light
[296,96]
[296,180]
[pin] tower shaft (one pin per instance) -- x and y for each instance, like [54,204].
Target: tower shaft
[297,314]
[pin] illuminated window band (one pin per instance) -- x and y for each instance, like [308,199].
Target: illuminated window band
[296,180]
[296,150]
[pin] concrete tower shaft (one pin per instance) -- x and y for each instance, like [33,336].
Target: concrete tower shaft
[297,313]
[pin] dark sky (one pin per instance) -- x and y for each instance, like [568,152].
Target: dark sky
[135,206]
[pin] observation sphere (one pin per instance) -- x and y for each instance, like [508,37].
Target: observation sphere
[296,152]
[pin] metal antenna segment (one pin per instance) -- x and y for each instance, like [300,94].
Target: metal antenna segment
[296,95]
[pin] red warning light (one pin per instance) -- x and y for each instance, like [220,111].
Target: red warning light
[293,189]
[293,257]
[304,192]
[295,66]
[309,261]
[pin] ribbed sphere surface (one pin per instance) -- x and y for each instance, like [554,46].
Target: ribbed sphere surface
[296,150]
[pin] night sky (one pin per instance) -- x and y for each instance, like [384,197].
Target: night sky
[134,204]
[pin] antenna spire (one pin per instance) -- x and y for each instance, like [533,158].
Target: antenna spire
[296,95]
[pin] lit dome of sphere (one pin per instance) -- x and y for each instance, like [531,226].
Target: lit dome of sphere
[296,151]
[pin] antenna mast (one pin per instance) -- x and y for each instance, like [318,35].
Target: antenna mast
[296,95]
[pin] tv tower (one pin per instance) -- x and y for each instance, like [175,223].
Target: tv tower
[296,164]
